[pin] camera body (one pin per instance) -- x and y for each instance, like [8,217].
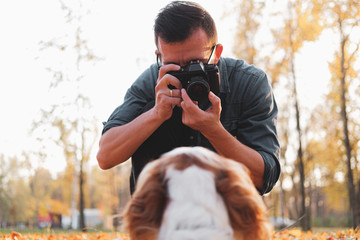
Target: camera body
[198,79]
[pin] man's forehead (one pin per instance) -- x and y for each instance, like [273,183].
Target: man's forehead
[173,47]
[198,40]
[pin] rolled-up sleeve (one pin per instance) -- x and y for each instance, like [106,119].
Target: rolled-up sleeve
[257,125]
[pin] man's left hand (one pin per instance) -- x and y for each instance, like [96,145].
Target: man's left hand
[204,121]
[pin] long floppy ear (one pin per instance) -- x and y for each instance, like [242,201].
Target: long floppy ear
[143,214]
[247,211]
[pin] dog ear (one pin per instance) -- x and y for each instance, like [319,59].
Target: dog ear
[247,211]
[143,214]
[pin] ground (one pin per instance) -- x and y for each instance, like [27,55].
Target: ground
[284,235]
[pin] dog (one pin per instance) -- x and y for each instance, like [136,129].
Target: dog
[192,193]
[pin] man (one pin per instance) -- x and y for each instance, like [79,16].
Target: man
[238,124]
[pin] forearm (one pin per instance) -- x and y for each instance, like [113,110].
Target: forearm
[228,146]
[119,143]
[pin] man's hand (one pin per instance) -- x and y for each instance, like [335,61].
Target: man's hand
[207,122]
[166,98]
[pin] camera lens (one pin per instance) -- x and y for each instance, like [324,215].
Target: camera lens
[198,89]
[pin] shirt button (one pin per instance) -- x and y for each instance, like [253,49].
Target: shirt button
[191,137]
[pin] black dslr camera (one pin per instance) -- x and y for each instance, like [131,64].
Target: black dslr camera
[198,79]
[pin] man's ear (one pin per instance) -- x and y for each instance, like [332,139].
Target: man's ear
[218,51]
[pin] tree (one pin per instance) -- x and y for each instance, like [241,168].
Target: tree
[110,190]
[40,188]
[20,209]
[4,196]
[345,16]
[248,23]
[301,24]
[71,121]
[14,190]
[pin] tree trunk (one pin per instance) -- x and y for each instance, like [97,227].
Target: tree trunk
[82,200]
[305,222]
[73,198]
[351,187]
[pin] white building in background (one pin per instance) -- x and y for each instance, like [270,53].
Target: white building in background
[93,219]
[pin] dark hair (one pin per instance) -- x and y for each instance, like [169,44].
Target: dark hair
[179,19]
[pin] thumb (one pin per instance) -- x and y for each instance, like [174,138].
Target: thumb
[215,100]
[215,103]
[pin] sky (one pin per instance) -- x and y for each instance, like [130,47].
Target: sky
[119,32]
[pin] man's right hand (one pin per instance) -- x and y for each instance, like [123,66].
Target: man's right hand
[165,98]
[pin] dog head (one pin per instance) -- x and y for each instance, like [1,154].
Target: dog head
[193,193]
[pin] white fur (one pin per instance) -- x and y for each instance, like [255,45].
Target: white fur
[195,209]
[204,154]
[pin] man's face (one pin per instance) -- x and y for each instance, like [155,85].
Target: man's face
[195,47]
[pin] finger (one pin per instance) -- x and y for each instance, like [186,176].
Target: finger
[184,95]
[175,97]
[187,104]
[172,100]
[176,101]
[163,98]
[167,68]
[168,82]
[163,85]
[171,80]
[174,93]
[215,103]
[214,100]
[167,79]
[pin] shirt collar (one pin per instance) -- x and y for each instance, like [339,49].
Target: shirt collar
[224,82]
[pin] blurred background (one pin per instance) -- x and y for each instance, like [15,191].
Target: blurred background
[66,65]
